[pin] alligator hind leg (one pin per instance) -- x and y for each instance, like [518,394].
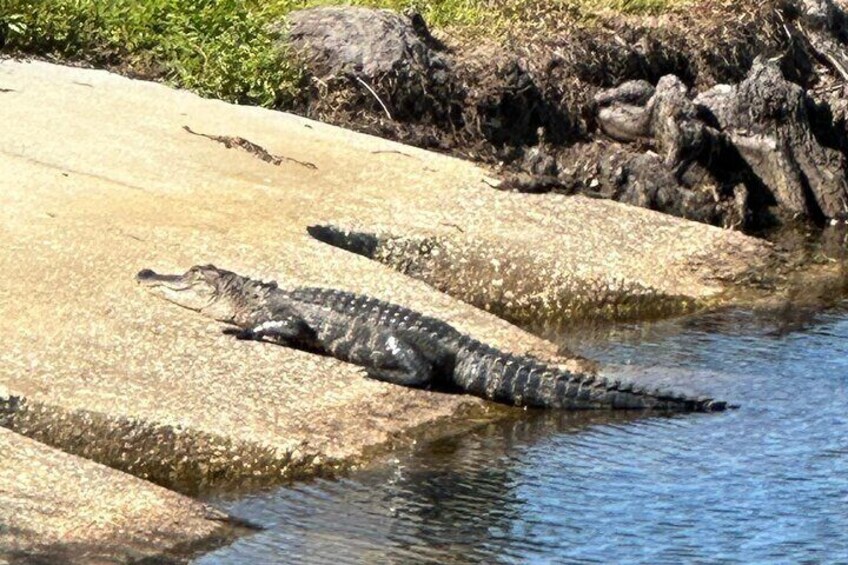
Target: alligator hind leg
[399,363]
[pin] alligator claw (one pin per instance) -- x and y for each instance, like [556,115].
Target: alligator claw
[240,333]
[717,406]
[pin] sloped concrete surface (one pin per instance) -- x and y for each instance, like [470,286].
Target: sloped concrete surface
[99,178]
[58,508]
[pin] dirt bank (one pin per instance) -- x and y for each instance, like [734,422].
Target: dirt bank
[739,119]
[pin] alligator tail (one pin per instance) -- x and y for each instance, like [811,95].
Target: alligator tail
[484,371]
[361,243]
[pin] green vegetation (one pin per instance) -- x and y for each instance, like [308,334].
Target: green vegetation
[636,7]
[220,48]
[228,48]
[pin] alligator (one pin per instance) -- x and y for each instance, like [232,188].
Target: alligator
[399,345]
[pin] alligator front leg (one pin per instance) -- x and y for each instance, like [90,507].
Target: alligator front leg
[283,329]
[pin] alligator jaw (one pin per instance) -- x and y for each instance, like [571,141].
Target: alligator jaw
[186,290]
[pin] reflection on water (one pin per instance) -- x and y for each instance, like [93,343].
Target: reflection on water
[768,482]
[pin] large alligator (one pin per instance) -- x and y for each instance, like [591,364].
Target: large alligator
[398,345]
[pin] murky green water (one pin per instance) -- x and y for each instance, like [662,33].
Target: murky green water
[765,483]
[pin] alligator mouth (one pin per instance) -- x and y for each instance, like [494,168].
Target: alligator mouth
[150,278]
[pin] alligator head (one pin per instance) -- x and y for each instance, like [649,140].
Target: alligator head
[214,292]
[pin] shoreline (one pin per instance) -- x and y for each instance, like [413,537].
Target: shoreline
[132,189]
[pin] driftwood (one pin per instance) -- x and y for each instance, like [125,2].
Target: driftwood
[768,120]
[759,146]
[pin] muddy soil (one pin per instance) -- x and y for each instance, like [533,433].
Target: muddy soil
[733,114]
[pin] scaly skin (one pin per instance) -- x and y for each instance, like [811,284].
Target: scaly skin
[398,345]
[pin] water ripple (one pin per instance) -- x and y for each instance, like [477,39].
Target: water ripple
[766,483]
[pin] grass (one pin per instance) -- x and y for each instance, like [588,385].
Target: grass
[227,48]
[219,48]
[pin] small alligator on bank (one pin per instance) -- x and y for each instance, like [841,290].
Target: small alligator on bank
[398,345]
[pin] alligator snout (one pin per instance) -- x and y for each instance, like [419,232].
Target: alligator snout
[150,277]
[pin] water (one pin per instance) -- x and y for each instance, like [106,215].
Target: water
[765,483]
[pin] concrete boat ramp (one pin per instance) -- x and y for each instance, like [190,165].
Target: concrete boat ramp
[99,177]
